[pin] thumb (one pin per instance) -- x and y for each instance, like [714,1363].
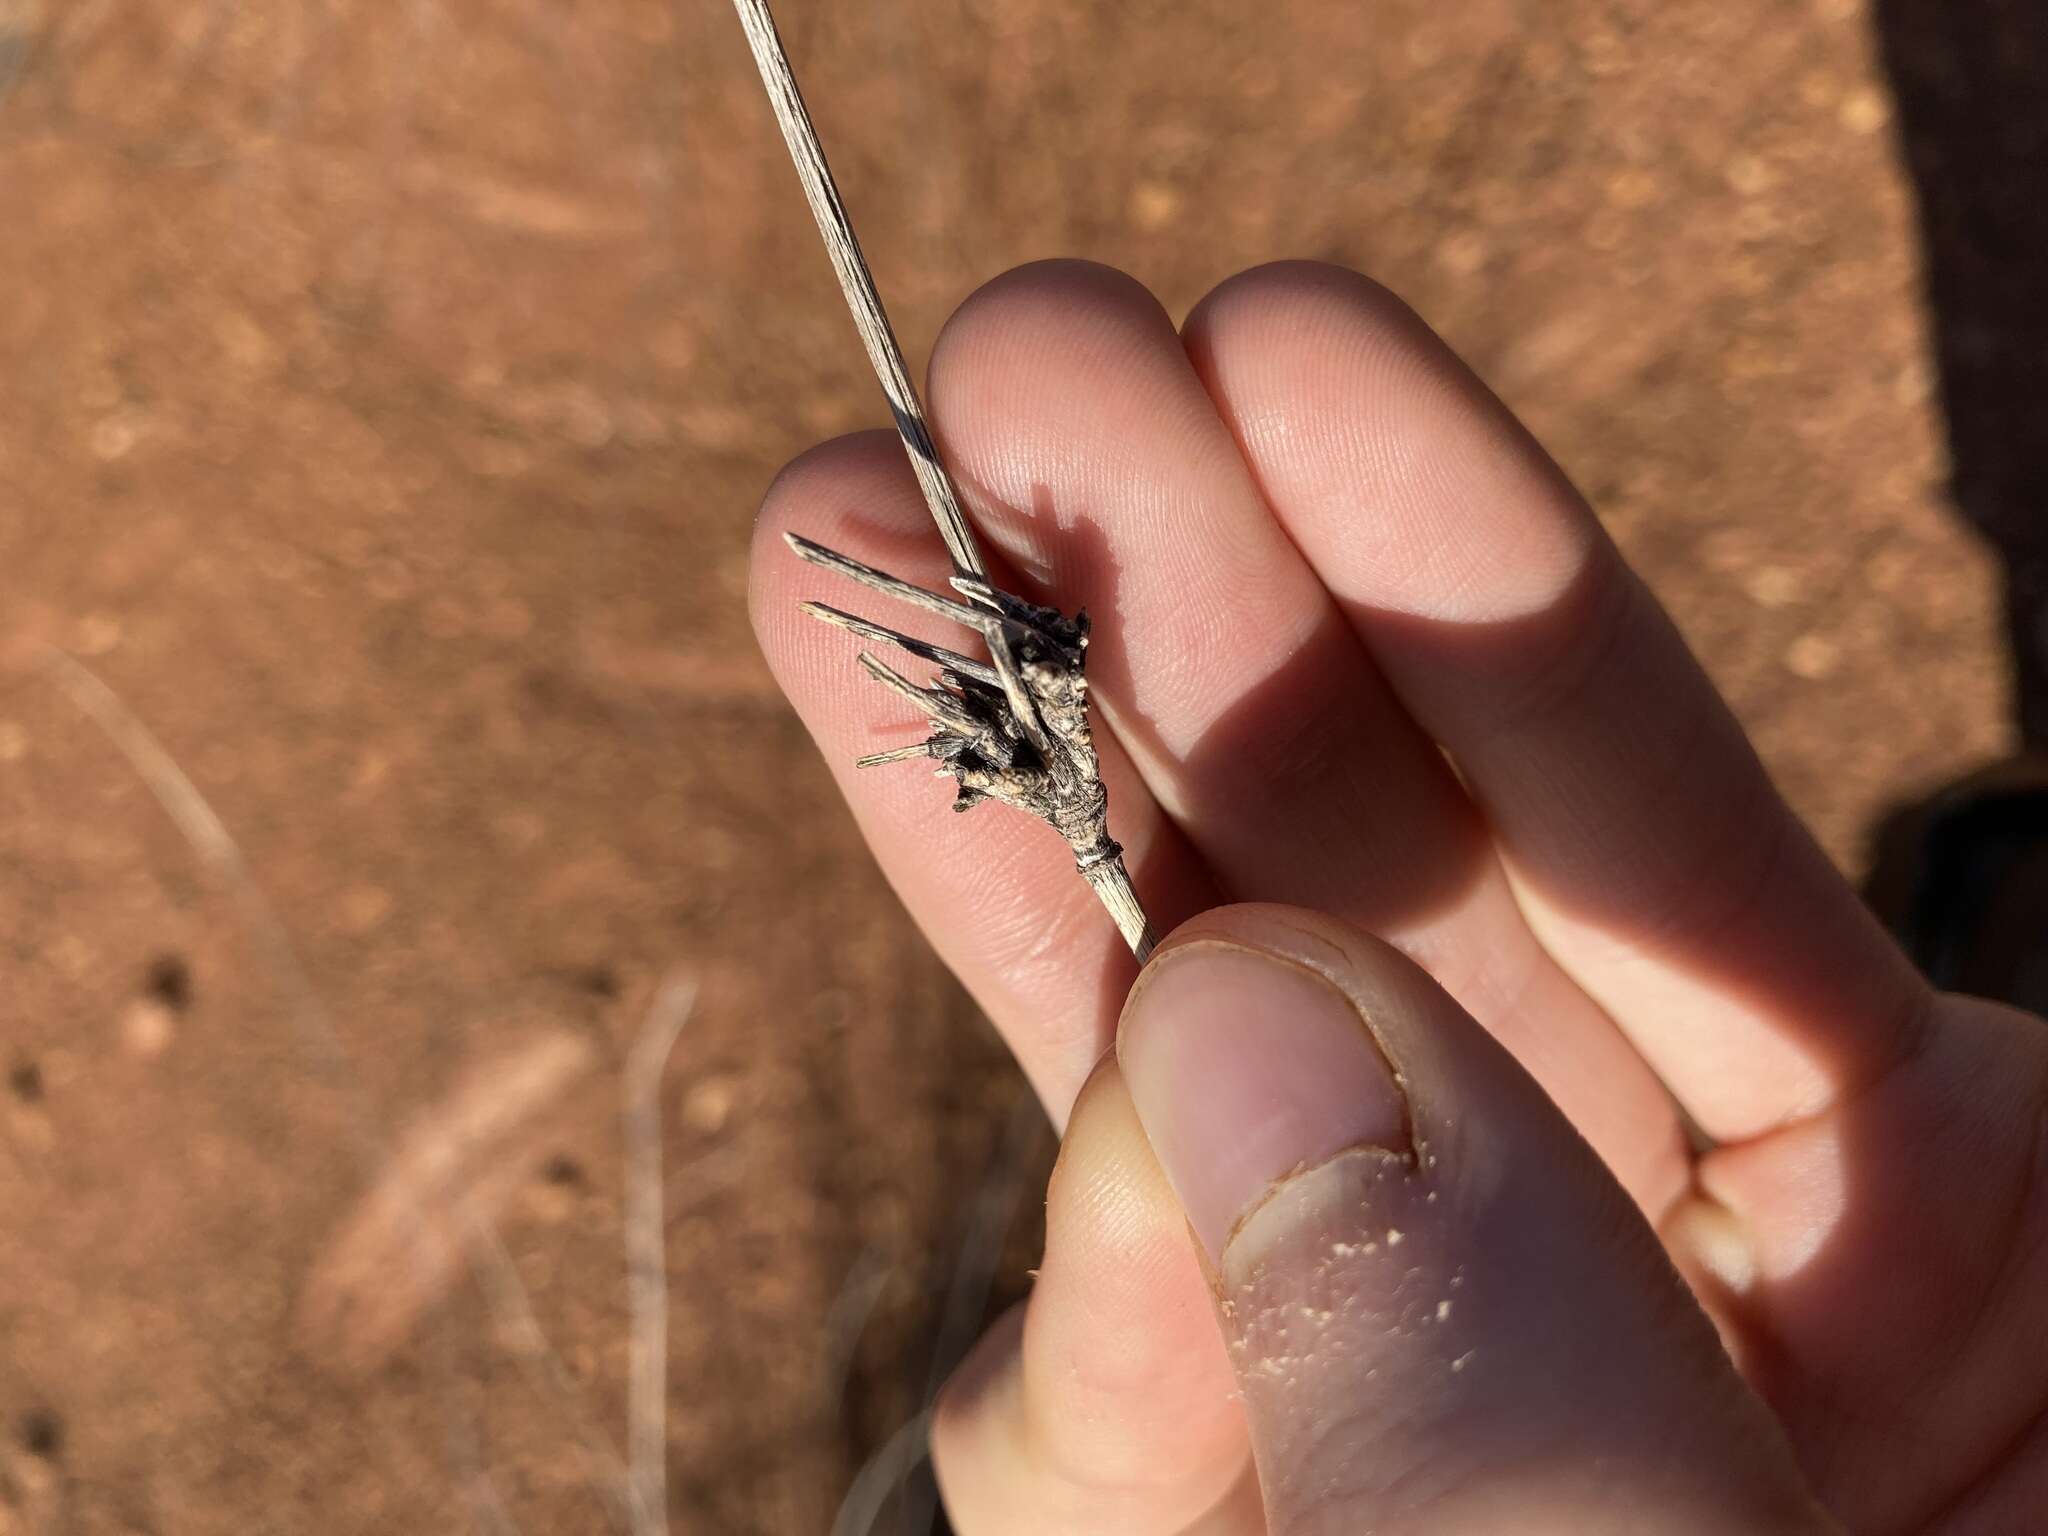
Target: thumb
[1443,1312]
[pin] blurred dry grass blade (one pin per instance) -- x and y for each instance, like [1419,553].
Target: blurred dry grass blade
[405,1243]
[884,1471]
[852,1308]
[20,27]
[989,1217]
[204,831]
[646,1254]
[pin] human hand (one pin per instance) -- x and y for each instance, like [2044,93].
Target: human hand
[1468,1278]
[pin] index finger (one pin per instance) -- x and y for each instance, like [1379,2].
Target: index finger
[995,891]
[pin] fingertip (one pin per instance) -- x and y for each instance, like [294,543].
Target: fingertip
[1422,1316]
[1392,993]
[1411,488]
[1300,295]
[856,495]
[1026,346]
[1126,1384]
[1313,938]
[1456,1098]
[1105,1402]
[1036,317]
[1062,398]
[1292,337]
[826,473]
[1114,1231]
[823,493]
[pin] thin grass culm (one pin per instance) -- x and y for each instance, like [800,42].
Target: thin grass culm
[646,1254]
[1013,729]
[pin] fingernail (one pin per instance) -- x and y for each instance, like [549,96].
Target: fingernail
[1244,1069]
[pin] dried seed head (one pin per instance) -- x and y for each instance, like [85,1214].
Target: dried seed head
[1014,729]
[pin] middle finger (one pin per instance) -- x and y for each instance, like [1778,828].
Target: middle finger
[1090,453]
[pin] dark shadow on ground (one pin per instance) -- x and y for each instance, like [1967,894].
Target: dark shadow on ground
[1958,875]
[1973,122]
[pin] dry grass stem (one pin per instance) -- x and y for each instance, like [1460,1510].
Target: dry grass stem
[455,1168]
[647,1255]
[989,1217]
[859,1294]
[857,282]
[882,1474]
[1014,729]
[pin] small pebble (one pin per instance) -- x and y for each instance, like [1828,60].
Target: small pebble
[1812,657]
[1751,175]
[1463,253]
[147,1028]
[708,1105]
[1154,205]
[114,437]
[98,633]
[363,907]
[1864,112]
[1773,586]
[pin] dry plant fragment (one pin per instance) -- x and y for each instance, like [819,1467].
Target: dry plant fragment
[406,1241]
[1015,732]
[646,1258]
[1013,729]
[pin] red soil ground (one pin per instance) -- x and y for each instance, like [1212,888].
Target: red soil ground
[385,391]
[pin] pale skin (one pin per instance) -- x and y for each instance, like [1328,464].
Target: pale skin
[1688,1206]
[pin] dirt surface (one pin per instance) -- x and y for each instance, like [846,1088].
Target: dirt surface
[384,394]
